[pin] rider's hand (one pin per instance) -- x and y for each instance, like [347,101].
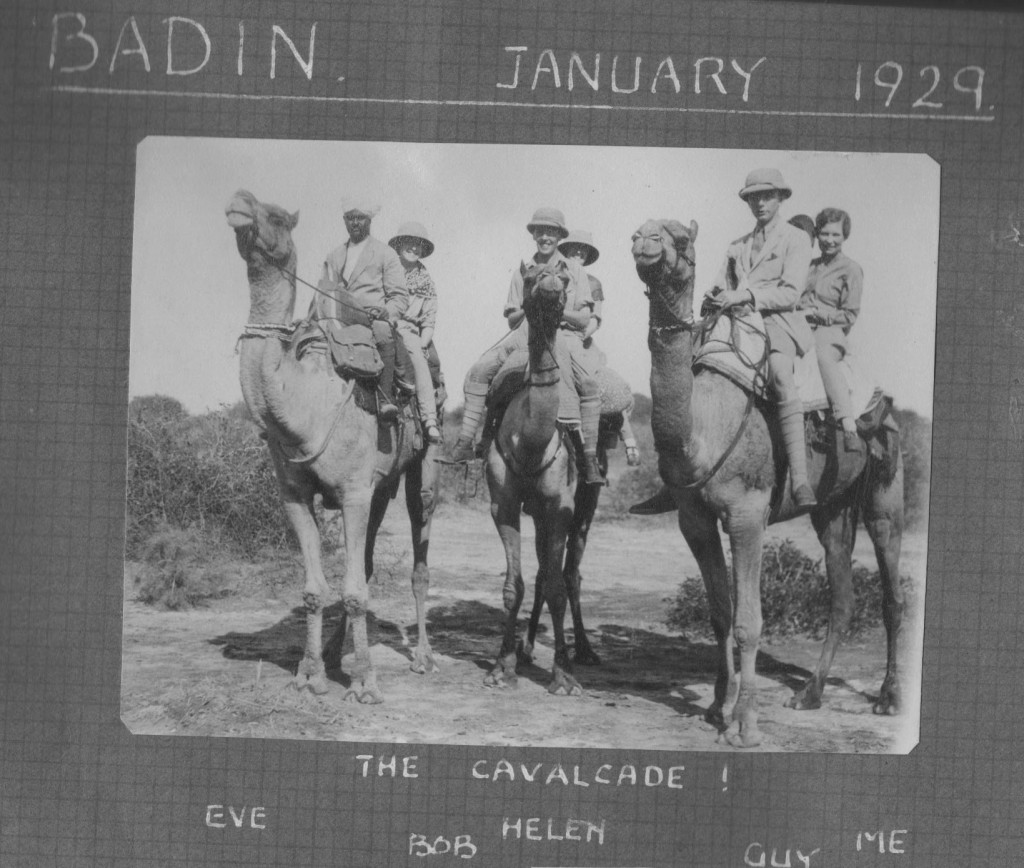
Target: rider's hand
[632,456]
[733,298]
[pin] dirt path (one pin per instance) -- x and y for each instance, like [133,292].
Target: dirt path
[223,670]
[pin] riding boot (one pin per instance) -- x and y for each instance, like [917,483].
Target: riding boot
[472,413]
[791,420]
[591,466]
[387,410]
[590,424]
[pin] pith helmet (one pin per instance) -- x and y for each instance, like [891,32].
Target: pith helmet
[548,217]
[762,180]
[412,229]
[582,239]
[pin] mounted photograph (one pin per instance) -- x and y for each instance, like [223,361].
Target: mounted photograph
[529,445]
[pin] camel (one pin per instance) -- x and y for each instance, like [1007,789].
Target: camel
[531,467]
[695,420]
[324,439]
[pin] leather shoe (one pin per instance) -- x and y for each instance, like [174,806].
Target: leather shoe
[851,441]
[387,412]
[592,470]
[659,503]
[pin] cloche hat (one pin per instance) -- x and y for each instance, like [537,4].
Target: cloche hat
[762,180]
[412,229]
[548,217]
[578,238]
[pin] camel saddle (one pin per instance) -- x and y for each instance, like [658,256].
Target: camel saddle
[736,346]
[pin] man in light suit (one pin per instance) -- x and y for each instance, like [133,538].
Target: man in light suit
[767,269]
[372,272]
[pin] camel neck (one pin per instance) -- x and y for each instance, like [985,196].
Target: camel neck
[541,408]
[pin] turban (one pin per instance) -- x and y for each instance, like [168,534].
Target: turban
[363,204]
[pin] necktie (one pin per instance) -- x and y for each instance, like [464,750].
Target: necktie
[758,242]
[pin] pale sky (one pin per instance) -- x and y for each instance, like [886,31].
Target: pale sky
[190,295]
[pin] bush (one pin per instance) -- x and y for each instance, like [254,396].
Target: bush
[916,446]
[209,472]
[179,569]
[795,597]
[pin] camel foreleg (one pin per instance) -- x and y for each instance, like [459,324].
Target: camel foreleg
[699,527]
[506,519]
[746,534]
[525,650]
[419,499]
[298,507]
[884,521]
[355,596]
[551,535]
[576,545]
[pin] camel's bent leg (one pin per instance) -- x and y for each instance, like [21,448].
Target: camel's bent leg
[746,534]
[298,507]
[525,651]
[700,529]
[883,518]
[576,545]
[505,512]
[552,529]
[355,595]
[419,499]
[837,530]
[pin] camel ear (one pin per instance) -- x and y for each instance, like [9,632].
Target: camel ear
[294,218]
[693,231]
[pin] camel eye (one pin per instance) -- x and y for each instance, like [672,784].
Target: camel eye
[636,235]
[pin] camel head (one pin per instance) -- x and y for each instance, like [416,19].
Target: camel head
[263,232]
[544,293]
[663,250]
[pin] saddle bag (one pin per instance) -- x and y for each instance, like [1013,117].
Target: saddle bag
[353,349]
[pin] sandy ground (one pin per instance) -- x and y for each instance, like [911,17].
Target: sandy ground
[224,669]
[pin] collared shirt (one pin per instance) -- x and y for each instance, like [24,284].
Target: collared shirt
[577,293]
[354,252]
[834,288]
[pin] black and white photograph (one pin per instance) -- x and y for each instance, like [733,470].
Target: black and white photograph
[532,445]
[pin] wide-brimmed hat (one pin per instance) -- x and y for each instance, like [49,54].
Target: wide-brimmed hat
[578,238]
[412,229]
[548,217]
[762,180]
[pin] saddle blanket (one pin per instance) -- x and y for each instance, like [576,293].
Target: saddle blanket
[735,348]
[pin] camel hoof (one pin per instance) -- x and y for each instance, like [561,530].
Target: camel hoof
[886,705]
[741,736]
[501,679]
[423,662]
[563,683]
[524,652]
[364,696]
[804,701]
[315,684]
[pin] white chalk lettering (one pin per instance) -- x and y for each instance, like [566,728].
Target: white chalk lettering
[636,77]
[388,766]
[78,34]
[553,69]
[714,76]
[476,770]
[503,767]
[139,49]
[551,829]
[669,73]
[673,777]
[576,777]
[241,45]
[557,772]
[518,49]
[649,776]
[894,843]
[307,65]
[746,76]
[462,846]
[577,63]
[757,856]
[197,28]
[216,818]
[530,775]
[628,774]
[597,774]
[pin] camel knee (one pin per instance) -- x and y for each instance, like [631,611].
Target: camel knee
[354,604]
[420,580]
[746,637]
